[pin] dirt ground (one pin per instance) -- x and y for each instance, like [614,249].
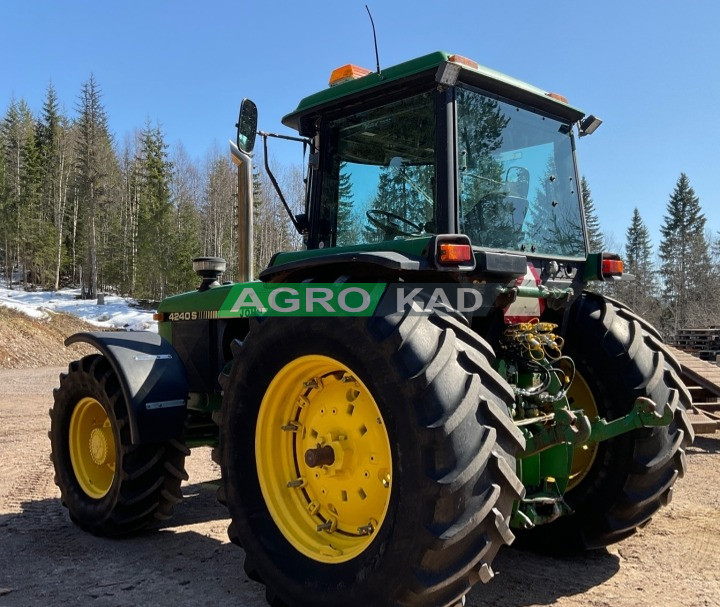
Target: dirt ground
[46,560]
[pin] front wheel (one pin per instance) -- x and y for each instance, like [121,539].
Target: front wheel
[368,462]
[110,486]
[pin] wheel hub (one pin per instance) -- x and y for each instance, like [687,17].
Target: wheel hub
[324,460]
[99,445]
[320,456]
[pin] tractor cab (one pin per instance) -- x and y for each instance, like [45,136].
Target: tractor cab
[441,145]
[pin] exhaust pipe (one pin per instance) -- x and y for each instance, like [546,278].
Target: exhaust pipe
[244,214]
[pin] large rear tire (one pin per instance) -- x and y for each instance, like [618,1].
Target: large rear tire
[619,484]
[109,485]
[408,497]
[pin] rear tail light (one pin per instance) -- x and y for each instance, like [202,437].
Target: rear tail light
[449,252]
[453,252]
[610,266]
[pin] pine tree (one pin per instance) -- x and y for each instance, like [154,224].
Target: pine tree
[592,223]
[640,290]
[55,145]
[685,260]
[348,226]
[405,192]
[11,137]
[20,197]
[155,217]
[95,159]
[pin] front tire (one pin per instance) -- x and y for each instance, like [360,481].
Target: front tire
[110,486]
[412,497]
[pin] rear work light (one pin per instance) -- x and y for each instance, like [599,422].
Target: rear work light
[346,73]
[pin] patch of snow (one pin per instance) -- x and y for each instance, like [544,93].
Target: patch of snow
[116,313]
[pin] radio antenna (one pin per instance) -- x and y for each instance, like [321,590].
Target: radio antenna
[377,57]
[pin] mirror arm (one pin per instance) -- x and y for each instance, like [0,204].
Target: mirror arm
[287,137]
[272,177]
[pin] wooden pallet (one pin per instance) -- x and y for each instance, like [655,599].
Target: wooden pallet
[705,417]
[703,343]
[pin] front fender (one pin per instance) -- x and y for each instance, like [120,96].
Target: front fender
[152,379]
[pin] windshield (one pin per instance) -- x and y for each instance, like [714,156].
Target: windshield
[518,187]
[380,183]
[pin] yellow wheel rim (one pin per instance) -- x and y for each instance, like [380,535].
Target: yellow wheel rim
[323,459]
[581,397]
[92,448]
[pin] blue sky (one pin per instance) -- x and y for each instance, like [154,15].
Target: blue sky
[648,69]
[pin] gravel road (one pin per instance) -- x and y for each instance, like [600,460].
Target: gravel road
[46,560]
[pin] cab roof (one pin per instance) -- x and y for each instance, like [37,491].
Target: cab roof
[470,72]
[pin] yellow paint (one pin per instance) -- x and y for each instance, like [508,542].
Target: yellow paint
[92,448]
[329,513]
[581,397]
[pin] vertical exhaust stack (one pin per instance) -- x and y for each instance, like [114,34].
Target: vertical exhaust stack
[241,154]
[244,213]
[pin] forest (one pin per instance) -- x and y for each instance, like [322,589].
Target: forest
[80,208]
[677,285]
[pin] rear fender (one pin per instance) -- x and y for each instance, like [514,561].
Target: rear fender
[152,378]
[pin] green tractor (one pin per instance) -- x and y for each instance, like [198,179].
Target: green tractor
[426,381]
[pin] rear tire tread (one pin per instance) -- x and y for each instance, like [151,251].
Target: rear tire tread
[438,359]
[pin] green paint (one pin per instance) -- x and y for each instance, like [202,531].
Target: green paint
[207,301]
[413,247]
[301,299]
[593,265]
[643,415]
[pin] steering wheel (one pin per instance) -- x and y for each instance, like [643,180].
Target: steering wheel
[388,223]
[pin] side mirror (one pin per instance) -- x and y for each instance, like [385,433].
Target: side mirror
[247,126]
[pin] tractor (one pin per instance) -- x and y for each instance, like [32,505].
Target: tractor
[428,380]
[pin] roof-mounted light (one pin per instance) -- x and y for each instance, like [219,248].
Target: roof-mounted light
[346,73]
[459,59]
[557,97]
